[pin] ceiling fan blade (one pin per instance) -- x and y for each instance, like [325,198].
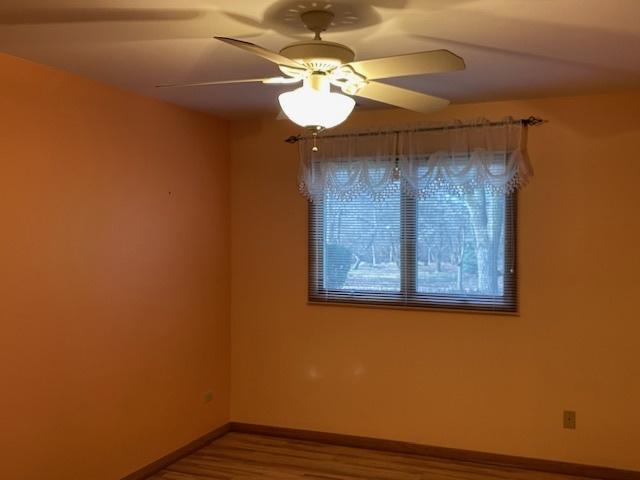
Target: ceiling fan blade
[38,16]
[401,97]
[273,80]
[421,63]
[262,52]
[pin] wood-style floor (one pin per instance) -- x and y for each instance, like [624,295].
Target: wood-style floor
[241,456]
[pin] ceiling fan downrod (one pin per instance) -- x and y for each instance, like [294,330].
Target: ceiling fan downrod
[317,21]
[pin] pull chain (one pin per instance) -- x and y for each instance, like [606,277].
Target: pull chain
[396,148]
[315,146]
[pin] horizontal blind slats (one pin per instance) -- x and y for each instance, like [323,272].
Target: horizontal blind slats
[445,251]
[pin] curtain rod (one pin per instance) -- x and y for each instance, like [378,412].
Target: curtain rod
[530,122]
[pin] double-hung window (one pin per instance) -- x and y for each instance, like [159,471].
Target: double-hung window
[446,250]
[415,231]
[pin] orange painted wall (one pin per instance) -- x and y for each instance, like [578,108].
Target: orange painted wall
[481,382]
[114,284]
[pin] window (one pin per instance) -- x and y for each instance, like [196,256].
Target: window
[448,250]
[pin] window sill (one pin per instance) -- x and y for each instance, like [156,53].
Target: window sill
[426,308]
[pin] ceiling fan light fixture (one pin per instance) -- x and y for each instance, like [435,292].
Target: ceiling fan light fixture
[316,108]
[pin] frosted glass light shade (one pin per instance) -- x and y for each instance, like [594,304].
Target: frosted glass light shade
[312,108]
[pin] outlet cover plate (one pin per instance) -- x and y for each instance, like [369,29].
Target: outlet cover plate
[569,419]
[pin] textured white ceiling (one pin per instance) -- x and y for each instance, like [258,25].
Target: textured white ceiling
[513,48]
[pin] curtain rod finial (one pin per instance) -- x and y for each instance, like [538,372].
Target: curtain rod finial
[533,121]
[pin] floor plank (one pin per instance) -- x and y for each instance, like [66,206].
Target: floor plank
[241,456]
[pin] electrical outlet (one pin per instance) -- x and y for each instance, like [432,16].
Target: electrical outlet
[569,419]
[208,396]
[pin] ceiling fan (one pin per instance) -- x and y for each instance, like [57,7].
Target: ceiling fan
[320,64]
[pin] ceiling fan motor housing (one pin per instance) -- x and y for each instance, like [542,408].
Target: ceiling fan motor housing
[318,55]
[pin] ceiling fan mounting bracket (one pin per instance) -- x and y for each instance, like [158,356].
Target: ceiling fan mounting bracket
[317,21]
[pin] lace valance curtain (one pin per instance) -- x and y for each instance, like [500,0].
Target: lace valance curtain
[421,159]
